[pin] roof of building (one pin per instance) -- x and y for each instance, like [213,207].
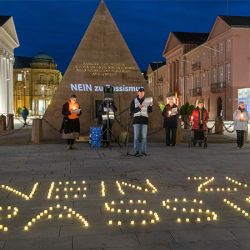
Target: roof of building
[4,19]
[43,56]
[237,21]
[191,37]
[25,62]
[156,65]
[22,62]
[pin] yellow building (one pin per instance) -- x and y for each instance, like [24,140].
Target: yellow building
[35,82]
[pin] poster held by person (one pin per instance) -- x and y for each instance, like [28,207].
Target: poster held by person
[71,111]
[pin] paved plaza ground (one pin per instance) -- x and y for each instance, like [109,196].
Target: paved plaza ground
[167,169]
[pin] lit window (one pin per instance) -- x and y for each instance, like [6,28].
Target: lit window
[228,45]
[19,77]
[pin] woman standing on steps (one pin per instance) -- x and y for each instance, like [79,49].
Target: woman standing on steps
[71,125]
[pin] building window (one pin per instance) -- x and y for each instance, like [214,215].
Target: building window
[51,78]
[214,51]
[221,74]
[214,75]
[228,45]
[42,78]
[19,77]
[203,79]
[221,47]
[228,73]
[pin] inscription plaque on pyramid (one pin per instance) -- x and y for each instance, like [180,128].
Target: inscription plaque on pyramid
[101,58]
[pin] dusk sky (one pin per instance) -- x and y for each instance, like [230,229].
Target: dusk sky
[57,26]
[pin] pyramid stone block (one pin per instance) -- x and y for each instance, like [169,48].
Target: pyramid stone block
[101,58]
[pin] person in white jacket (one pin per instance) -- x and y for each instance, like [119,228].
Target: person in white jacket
[241,118]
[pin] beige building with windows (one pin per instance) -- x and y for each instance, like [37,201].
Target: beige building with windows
[216,69]
[35,82]
[178,44]
[157,80]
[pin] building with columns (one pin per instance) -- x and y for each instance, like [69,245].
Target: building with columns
[8,42]
[214,66]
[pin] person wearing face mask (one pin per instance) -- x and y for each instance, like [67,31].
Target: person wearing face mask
[71,125]
[241,118]
[170,114]
[199,120]
[140,108]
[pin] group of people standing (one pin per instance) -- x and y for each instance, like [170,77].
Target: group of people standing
[140,108]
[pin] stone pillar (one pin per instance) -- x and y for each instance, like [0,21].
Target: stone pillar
[177,76]
[11,88]
[10,121]
[3,90]
[2,122]
[172,76]
[218,126]
[37,132]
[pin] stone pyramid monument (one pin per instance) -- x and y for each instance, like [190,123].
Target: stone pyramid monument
[101,58]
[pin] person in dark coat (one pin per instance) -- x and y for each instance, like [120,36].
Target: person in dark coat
[25,113]
[170,114]
[71,125]
[105,109]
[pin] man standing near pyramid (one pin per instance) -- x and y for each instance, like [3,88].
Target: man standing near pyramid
[140,107]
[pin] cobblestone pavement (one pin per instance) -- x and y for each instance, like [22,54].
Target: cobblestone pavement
[83,176]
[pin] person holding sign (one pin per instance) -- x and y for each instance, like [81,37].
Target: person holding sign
[170,114]
[71,125]
[140,107]
[241,118]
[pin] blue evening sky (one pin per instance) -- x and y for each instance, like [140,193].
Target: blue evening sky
[57,26]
